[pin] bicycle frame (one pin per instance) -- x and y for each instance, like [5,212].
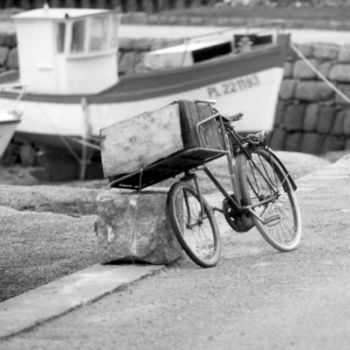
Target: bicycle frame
[235,198]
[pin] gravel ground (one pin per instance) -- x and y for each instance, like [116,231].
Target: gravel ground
[36,248]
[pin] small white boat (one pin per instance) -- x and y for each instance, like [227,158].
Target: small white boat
[9,119]
[8,124]
[68,62]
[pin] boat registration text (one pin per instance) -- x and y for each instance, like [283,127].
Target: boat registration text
[233,86]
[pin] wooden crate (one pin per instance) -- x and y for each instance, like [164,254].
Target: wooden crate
[134,144]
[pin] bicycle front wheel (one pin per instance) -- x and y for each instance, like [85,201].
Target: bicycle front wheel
[267,190]
[194,224]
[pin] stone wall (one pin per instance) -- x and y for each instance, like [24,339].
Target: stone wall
[310,116]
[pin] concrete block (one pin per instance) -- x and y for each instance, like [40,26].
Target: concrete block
[134,227]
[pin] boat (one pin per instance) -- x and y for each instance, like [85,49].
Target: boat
[9,119]
[73,89]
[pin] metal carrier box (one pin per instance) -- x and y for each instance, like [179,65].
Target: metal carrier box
[157,140]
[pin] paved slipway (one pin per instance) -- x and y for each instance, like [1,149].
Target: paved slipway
[256,298]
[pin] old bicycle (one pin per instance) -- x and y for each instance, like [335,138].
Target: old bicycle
[261,194]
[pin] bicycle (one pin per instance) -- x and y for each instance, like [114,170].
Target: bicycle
[263,195]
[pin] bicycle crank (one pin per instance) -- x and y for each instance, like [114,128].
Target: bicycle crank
[240,222]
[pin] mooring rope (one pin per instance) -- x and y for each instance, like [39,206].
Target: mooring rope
[319,74]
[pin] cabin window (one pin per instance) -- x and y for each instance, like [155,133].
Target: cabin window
[61,34]
[78,36]
[99,34]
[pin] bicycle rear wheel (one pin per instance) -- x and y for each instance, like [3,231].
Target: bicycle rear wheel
[194,224]
[265,187]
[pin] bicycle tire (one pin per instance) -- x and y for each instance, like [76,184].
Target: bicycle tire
[262,178]
[184,212]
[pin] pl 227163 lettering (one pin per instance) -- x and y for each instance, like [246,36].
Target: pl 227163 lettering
[233,86]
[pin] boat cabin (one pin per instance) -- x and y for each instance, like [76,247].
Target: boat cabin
[67,51]
[197,50]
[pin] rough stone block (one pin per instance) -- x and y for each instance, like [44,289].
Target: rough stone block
[325,67]
[279,114]
[338,123]
[313,91]
[326,51]
[302,71]
[306,49]
[312,143]
[346,123]
[344,53]
[288,70]
[340,73]
[12,60]
[345,89]
[311,117]
[287,89]
[293,117]
[134,227]
[347,144]
[293,142]
[333,143]
[325,119]
[4,51]
[277,139]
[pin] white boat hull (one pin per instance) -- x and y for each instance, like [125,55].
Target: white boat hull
[8,124]
[254,95]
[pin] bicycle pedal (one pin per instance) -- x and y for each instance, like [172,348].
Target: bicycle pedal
[217,209]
